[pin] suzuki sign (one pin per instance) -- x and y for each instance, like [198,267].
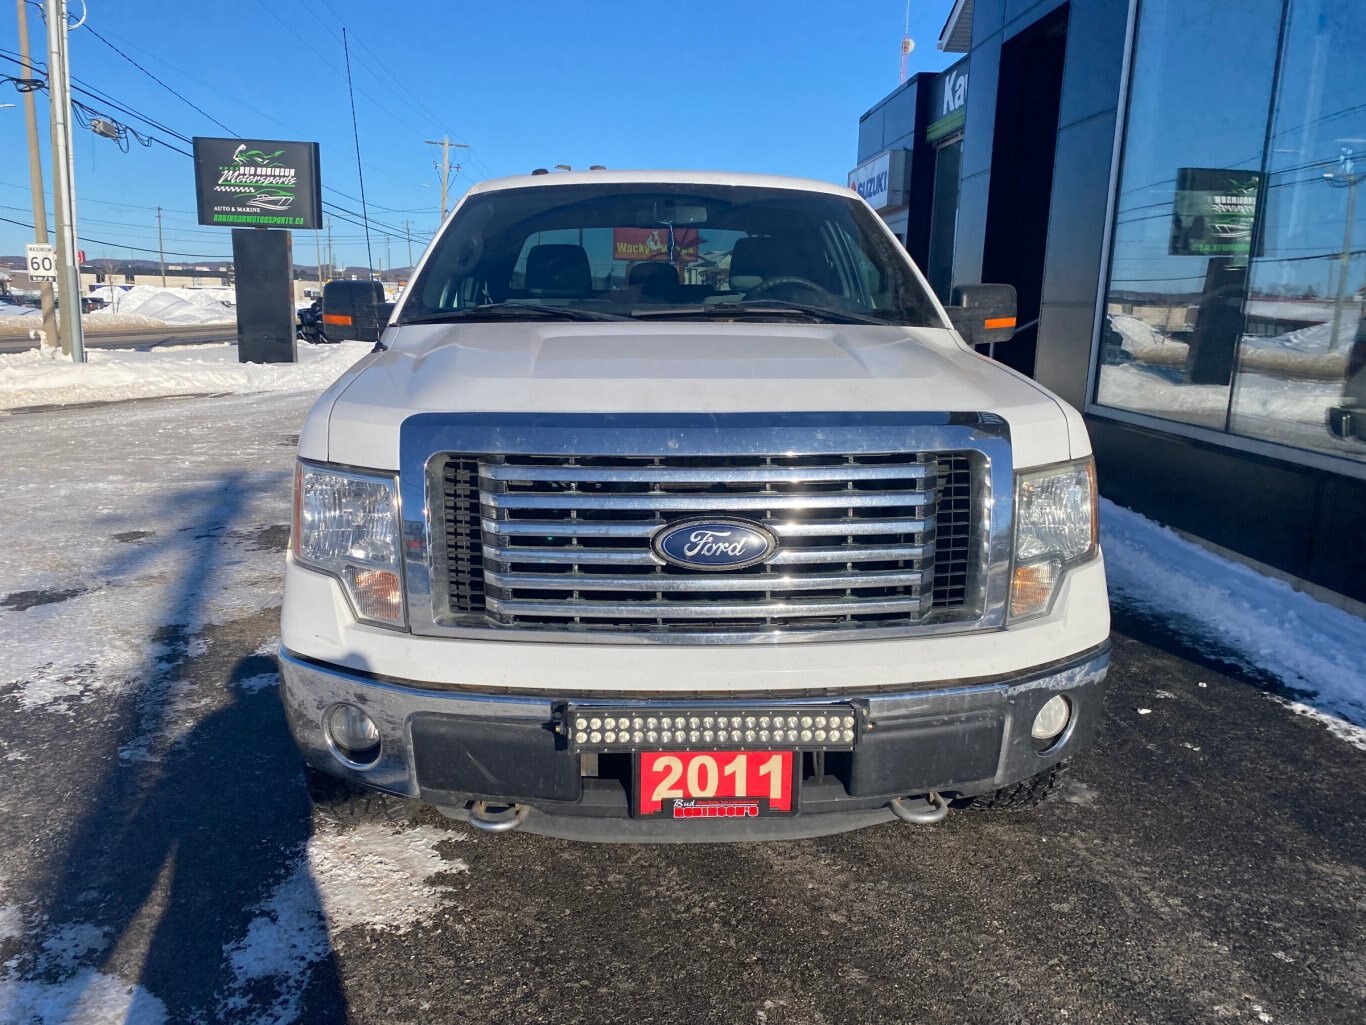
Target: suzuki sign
[882,180]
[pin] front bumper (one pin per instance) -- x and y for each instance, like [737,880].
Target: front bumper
[452,747]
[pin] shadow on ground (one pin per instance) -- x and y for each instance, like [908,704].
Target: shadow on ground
[178,842]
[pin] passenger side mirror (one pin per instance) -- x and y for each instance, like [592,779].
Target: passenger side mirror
[983,314]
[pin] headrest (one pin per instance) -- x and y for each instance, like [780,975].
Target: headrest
[653,275]
[558,270]
[755,258]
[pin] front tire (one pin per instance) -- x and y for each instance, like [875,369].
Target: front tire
[1028,793]
[348,804]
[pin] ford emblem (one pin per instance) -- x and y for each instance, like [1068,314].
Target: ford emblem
[715,543]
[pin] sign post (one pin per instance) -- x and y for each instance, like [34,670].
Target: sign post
[265,185]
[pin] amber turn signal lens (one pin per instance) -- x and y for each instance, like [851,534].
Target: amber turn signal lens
[339,319]
[999,322]
[377,594]
[1031,589]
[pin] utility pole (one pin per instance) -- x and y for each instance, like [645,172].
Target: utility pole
[331,260]
[318,254]
[63,177]
[446,146]
[161,248]
[408,233]
[1346,177]
[35,177]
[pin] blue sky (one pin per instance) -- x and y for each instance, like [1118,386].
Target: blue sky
[747,85]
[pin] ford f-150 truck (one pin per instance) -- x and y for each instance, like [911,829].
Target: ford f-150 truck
[674,506]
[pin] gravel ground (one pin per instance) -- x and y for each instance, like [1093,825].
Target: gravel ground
[1207,863]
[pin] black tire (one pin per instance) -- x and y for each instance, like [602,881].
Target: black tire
[347,803]
[1028,793]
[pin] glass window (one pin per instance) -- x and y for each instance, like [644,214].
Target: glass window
[1300,361]
[948,162]
[1237,284]
[604,251]
[1196,129]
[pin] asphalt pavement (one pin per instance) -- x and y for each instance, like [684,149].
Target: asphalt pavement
[1205,863]
[137,338]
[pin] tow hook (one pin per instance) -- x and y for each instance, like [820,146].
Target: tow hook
[506,819]
[921,813]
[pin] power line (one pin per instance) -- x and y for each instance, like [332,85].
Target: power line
[91,29]
[118,245]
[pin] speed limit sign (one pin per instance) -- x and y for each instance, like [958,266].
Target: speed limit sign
[42,262]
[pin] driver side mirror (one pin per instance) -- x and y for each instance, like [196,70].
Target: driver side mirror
[983,314]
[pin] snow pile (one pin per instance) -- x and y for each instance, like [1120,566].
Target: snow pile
[139,306]
[375,876]
[154,304]
[1263,624]
[36,378]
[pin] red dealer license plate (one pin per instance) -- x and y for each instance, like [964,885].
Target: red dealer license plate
[715,784]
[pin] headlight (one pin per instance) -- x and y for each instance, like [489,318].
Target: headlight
[346,524]
[1055,527]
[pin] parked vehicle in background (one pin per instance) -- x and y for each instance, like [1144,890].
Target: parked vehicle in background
[675,506]
[353,311]
[310,322]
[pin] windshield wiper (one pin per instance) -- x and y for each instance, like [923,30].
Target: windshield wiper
[514,311]
[762,308]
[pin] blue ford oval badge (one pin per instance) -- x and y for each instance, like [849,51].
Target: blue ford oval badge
[715,543]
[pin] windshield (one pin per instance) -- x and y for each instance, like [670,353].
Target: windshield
[667,252]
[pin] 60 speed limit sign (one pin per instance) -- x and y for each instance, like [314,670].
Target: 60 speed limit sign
[42,262]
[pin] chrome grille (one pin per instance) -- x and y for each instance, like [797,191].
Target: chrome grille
[869,540]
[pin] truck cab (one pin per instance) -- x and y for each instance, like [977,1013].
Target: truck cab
[674,506]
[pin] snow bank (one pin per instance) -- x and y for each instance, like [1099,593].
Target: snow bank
[1264,624]
[36,378]
[139,306]
[164,305]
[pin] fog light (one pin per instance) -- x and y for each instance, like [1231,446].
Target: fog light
[353,735]
[1052,719]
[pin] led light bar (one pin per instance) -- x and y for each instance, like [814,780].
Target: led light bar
[814,728]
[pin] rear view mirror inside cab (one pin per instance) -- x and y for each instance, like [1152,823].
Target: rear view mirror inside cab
[679,213]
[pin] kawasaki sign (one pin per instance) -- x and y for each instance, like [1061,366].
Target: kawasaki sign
[882,180]
[257,183]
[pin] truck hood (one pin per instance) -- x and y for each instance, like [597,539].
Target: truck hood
[672,367]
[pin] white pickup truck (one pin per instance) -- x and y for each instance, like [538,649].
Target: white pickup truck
[673,506]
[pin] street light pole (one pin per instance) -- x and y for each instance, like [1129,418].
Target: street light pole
[64,185]
[35,179]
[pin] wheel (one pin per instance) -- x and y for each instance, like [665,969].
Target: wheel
[348,803]
[1028,793]
[786,281]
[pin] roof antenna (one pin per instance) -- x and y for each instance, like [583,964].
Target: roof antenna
[907,43]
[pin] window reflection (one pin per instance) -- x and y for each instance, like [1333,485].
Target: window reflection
[1187,194]
[1299,372]
[1237,295]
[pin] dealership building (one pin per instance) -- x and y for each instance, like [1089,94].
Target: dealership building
[1171,187]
